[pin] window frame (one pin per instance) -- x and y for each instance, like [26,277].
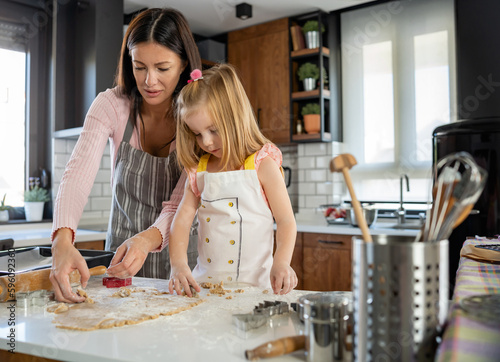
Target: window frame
[37,16]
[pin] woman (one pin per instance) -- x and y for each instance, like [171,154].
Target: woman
[158,53]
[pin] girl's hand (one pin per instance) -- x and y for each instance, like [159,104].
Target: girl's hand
[283,278]
[181,278]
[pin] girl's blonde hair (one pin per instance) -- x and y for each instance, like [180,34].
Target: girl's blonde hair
[224,98]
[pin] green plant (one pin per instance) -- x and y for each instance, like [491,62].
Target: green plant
[36,194]
[4,207]
[308,70]
[312,25]
[311,108]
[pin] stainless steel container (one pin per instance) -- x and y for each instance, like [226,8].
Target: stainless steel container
[369,213]
[309,84]
[400,297]
[328,322]
[312,39]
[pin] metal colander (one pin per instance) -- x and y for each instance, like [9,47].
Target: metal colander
[400,297]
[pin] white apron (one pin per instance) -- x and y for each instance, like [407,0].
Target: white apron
[235,230]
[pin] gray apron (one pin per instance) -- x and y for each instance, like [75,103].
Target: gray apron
[141,182]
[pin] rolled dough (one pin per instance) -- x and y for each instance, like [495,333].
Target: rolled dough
[109,310]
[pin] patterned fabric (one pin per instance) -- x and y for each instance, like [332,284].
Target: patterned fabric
[466,338]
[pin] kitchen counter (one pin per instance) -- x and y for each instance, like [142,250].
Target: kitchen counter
[316,223]
[37,234]
[203,333]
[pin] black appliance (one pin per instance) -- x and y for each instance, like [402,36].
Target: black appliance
[480,138]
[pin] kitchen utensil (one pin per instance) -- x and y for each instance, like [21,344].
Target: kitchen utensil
[458,186]
[260,315]
[276,348]
[466,192]
[368,213]
[400,293]
[343,163]
[36,280]
[328,321]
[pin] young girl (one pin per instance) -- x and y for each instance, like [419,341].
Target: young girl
[236,186]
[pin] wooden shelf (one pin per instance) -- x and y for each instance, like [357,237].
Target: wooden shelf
[305,52]
[311,137]
[310,94]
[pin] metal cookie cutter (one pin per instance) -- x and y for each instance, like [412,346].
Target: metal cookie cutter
[271,308]
[245,322]
[260,316]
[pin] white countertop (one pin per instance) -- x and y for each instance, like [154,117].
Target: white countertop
[37,234]
[203,333]
[316,223]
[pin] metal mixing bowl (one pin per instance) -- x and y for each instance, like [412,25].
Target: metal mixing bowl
[368,212]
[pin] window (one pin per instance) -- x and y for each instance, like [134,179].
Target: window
[397,86]
[25,128]
[12,125]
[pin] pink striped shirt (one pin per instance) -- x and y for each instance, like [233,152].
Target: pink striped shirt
[106,119]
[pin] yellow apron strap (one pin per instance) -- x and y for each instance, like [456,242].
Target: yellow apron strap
[250,162]
[202,165]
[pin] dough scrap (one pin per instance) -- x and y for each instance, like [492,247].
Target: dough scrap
[58,308]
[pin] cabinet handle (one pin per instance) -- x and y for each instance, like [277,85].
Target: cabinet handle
[330,242]
[258,116]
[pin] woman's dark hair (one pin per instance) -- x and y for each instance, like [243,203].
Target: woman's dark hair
[167,27]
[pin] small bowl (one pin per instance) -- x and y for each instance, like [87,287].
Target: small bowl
[370,214]
[334,218]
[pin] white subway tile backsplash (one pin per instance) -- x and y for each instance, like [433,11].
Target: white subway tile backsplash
[306,163]
[324,188]
[323,162]
[315,175]
[317,149]
[100,203]
[307,188]
[70,145]
[313,202]
[96,190]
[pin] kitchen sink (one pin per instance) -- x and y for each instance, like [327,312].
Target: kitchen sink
[407,225]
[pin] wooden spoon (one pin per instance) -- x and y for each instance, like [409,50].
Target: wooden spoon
[343,163]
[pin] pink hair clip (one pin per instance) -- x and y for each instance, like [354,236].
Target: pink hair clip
[195,75]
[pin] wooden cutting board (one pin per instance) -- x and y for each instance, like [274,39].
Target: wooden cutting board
[112,310]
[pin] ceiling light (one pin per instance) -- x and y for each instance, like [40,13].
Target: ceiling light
[244,11]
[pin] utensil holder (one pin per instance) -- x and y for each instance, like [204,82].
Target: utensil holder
[400,297]
[328,321]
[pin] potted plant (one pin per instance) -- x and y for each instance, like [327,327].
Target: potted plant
[311,31]
[4,210]
[34,200]
[311,113]
[308,73]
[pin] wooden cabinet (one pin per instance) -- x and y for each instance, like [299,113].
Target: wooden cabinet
[326,262]
[261,55]
[90,245]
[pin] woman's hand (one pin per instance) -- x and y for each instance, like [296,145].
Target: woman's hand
[283,278]
[65,259]
[130,256]
[181,278]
